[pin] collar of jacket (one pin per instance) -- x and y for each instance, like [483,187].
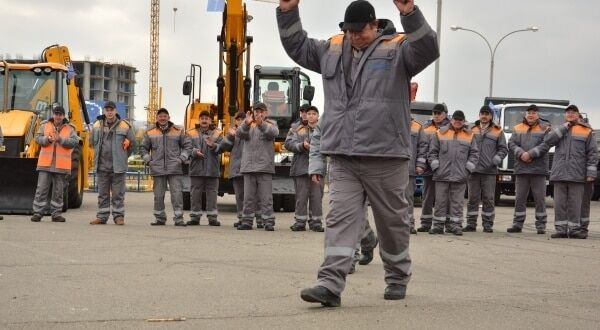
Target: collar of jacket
[444,122]
[448,127]
[64,121]
[103,117]
[169,125]
[492,124]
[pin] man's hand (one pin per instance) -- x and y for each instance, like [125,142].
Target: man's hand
[249,118]
[126,143]
[306,145]
[209,142]
[316,178]
[526,157]
[419,170]
[404,6]
[231,131]
[286,5]
[590,179]
[200,154]
[51,138]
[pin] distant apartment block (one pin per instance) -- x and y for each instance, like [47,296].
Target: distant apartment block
[102,81]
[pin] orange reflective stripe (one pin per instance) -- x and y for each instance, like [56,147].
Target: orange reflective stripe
[337,39]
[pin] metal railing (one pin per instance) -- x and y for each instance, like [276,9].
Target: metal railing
[138,181]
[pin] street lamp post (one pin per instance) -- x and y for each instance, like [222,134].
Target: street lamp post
[493,50]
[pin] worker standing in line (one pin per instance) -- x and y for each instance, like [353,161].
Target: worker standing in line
[365,130]
[57,138]
[439,119]
[531,168]
[575,164]
[309,195]
[491,143]
[205,169]
[113,139]
[164,148]
[258,166]
[236,146]
[453,156]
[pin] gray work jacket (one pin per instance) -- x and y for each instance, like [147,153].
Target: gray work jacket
[258,155]
[209,164]
[165,151]
[576,153]
[294,142]
[430,130]
[492,148]
[120,131]
[371,115]
[453,154]
[530,138]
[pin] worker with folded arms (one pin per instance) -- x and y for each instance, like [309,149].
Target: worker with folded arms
[57,138]
[575,164]
[113,139]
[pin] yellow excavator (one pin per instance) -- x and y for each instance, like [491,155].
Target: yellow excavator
[282,89]
[28,90]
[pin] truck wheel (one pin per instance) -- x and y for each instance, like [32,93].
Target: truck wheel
[74,198]
[187,200]
[596,193]
[289,202]
[277,202]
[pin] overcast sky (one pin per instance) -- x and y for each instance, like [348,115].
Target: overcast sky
[559,61]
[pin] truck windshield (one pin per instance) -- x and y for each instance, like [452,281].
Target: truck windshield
[34,91]
[514,115]
[275,93]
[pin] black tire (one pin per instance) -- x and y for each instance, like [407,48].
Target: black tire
[289,203]
[187,201]
[277,202]
[74,198]
[596,193]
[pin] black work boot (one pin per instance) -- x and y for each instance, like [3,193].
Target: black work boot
[423,229]
[436,230]
[578,235]
[193,223]
[320,294]
[366,257]
[317,228]
[514,229]
[470,228]
[180,223]
[487,230]
[58,218]
[541,231]
[157,223]
[244,226]
[269,227]
[214,222]
[413,231]
[457,231]
[297,226]
[237,223]
[394,292]
[36,217]
[559,235]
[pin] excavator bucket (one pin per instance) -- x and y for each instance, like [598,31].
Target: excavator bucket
[18,181]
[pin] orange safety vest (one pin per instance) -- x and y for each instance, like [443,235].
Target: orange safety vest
[63,155]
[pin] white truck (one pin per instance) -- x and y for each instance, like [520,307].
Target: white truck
[508,112]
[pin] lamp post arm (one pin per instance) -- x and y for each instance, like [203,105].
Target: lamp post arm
[506,35]
[482,37]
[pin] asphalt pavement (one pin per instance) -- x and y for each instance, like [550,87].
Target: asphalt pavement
[74,275]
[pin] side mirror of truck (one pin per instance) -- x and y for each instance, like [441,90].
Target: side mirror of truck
[187,87]
[308,93]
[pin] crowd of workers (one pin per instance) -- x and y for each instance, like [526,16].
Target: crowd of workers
[374,149]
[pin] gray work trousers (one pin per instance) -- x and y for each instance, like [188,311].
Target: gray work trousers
[111,191]
[410,197]
[309,200]
[449,200]
[567,206]
[209,186]
[238,190]
[537,183]
[258,185]
[482,188]
[427,201]
[588,190]
[58,182]
[351,181]
[160,188]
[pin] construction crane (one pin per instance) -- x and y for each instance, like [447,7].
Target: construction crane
[153,91]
